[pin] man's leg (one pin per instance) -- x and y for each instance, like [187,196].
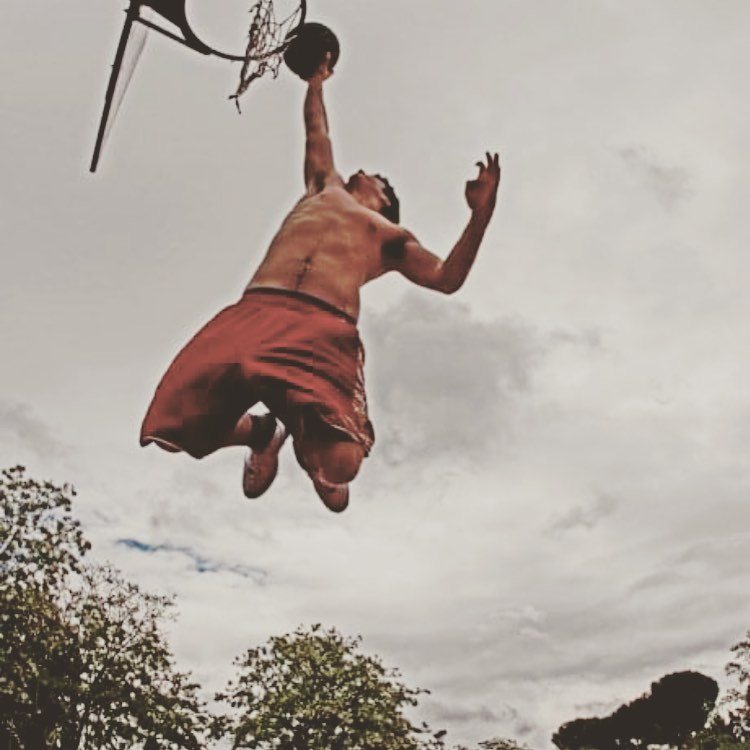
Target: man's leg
[253,430]
[332,461]
[264,435]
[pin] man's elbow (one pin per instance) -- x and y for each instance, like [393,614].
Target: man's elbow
[447,285]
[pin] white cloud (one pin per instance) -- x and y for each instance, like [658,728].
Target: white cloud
[585,517]
[441,382]
[23,431]
[669,184]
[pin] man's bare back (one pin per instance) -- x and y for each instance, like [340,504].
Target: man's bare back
[329,246]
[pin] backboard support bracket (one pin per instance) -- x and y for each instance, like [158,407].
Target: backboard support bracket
[174,12]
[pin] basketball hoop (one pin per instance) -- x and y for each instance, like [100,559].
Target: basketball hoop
[266,41]
[268,38]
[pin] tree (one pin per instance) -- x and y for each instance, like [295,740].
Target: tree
[40,542]
[128,690]
[41,545]
[729,726]
[677,706]
[314,690]
[38,652]
[717,735]
[585,733]
[738,698]
[83,660]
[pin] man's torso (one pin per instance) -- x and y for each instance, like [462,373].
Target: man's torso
[329,246]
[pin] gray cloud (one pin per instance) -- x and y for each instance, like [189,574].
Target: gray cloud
[181,499]
[20,422]
[707,561]
[191,479]
[585,516]
[724,553]
[459,714]
[590,338]
[441,380]
[504,720]
[669,184]
[659,579]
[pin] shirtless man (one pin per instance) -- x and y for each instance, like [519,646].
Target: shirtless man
[291,341]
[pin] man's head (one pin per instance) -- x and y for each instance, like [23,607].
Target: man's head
[374,191]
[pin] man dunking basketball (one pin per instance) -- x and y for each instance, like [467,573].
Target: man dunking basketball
[291,341]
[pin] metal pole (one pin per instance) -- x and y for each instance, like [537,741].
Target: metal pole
[131,16]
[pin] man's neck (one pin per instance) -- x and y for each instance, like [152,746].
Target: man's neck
[366,200]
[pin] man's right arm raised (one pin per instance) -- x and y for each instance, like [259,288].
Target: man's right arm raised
[425,268]
[319,169]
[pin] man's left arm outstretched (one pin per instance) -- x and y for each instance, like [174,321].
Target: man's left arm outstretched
[425,268]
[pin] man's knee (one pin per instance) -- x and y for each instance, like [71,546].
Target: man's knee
[334,496]
[338,462]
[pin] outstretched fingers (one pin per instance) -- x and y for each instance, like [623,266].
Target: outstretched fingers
[492,164]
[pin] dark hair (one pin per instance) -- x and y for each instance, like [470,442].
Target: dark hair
[392,211]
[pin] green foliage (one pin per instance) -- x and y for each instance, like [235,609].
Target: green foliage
[718,742]
[38,652]
[41,545]
[83,661]
[313,690]
[127,679]
[729,728]
[677,706]
[40,542]
[717,735]
[680,717]
[738,698]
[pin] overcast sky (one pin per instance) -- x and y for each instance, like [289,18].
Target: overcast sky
[557,509]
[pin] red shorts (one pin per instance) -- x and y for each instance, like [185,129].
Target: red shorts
[300,356]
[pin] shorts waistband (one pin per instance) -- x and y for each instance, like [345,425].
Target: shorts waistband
[308,298]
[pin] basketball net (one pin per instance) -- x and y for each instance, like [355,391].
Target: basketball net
[266,42]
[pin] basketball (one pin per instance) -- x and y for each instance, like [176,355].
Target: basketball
[308,47]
